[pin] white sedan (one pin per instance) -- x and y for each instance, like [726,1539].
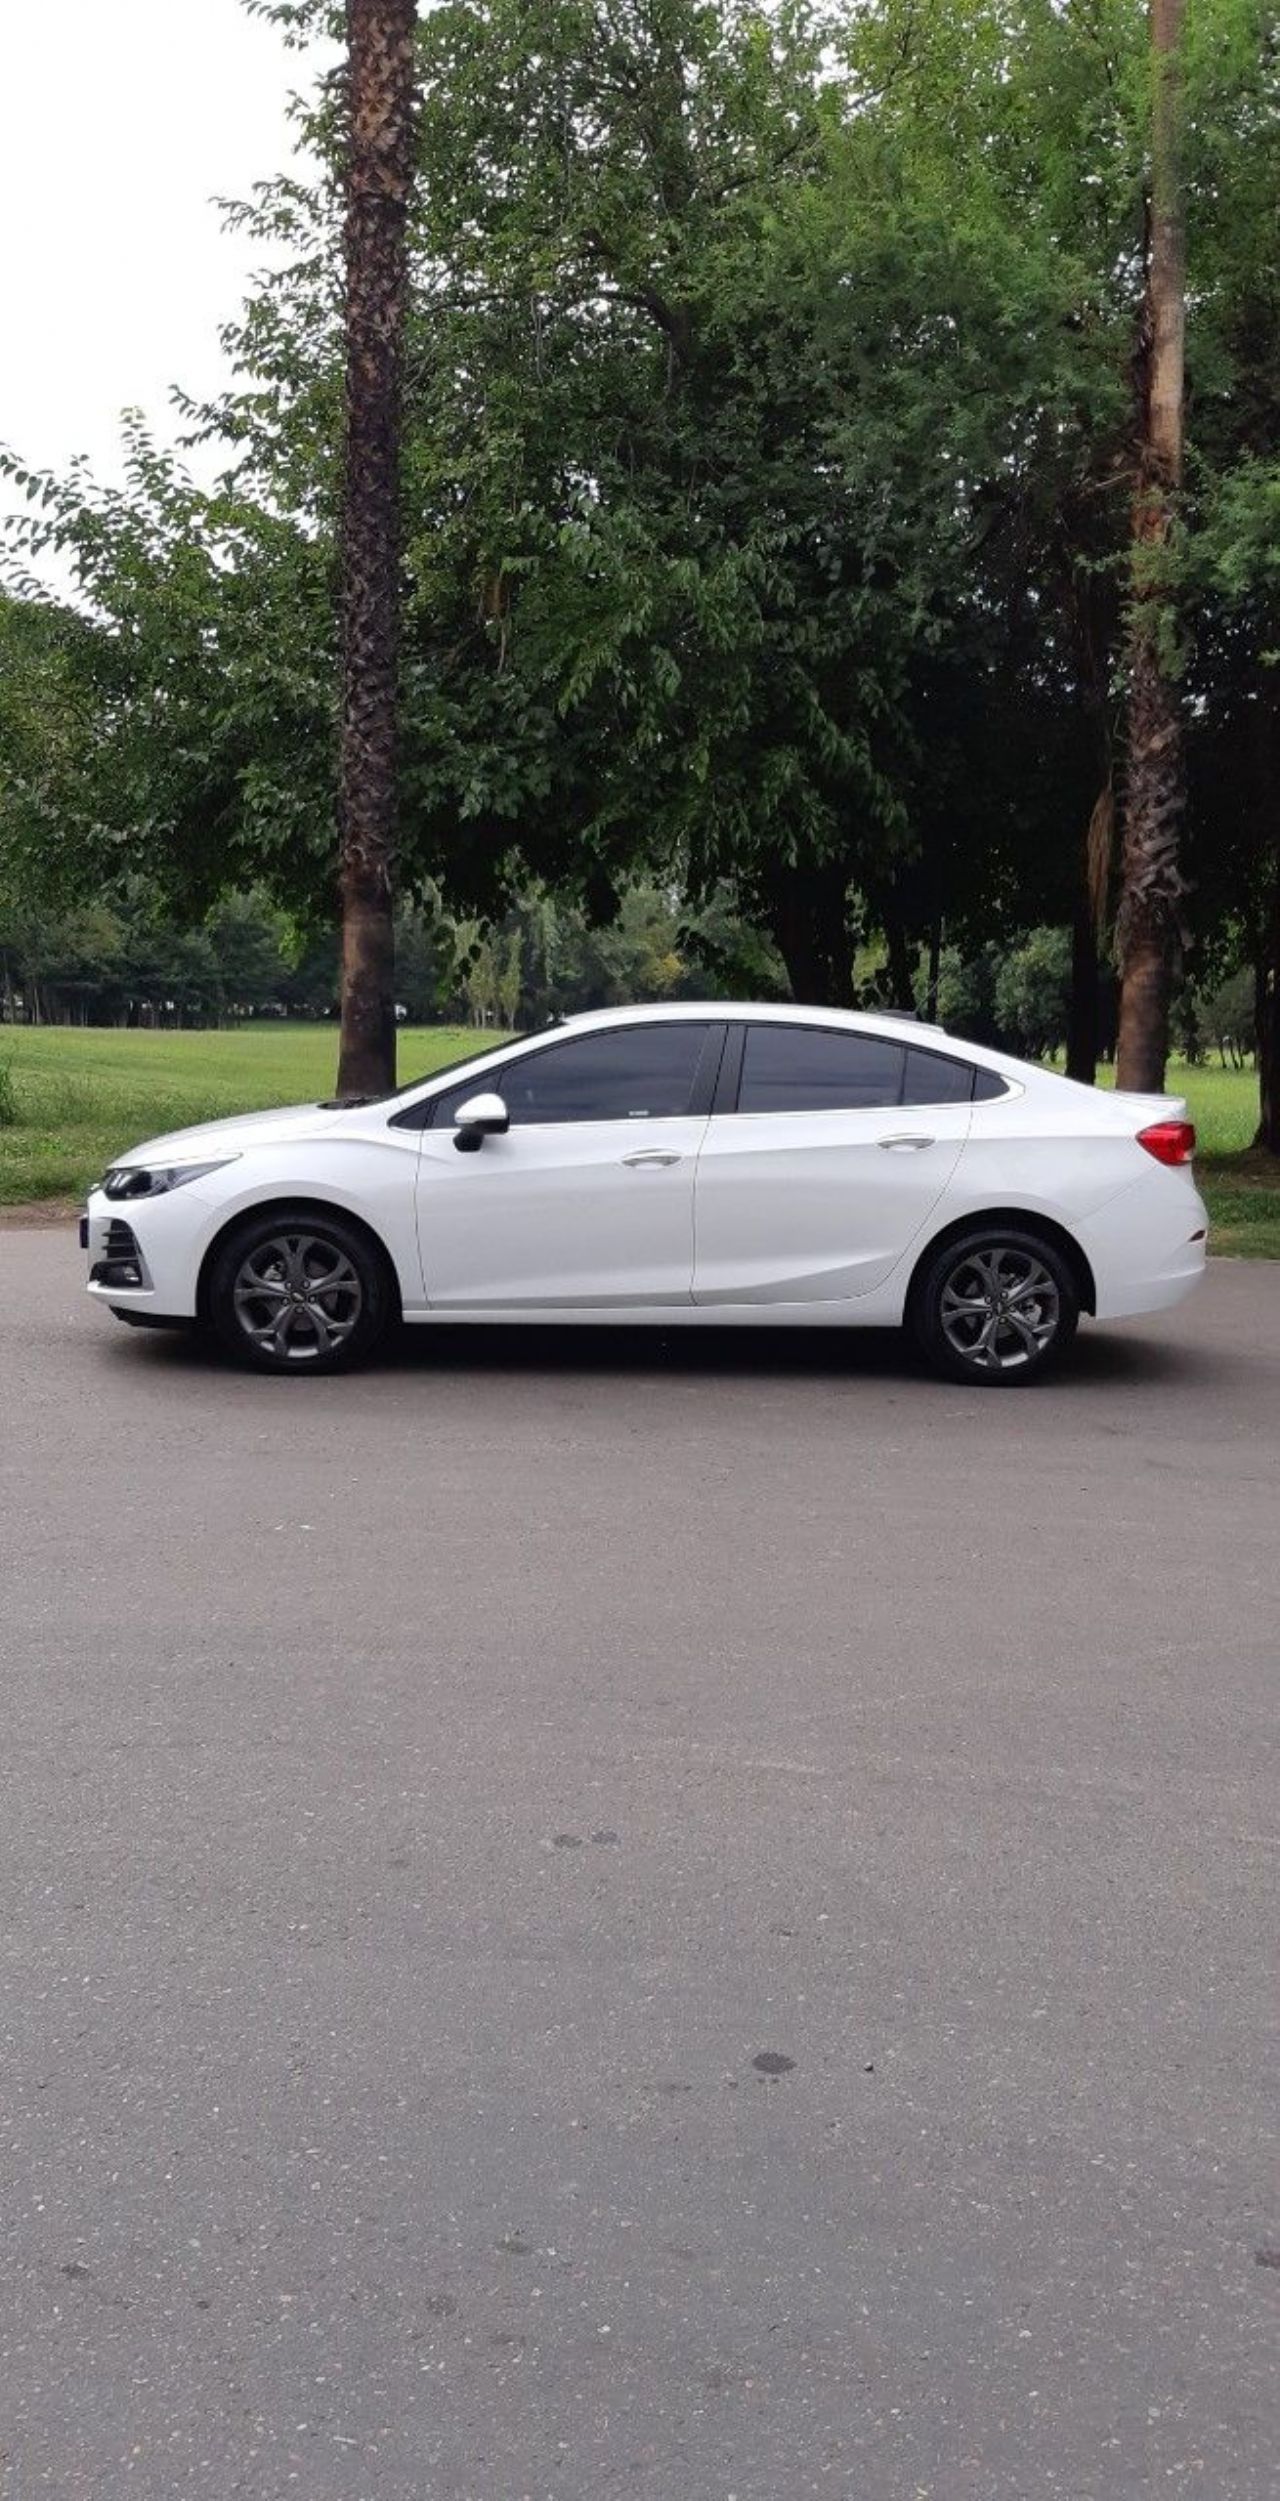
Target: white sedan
[677,1165]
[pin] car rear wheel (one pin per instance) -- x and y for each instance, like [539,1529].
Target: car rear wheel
[997,1308]
[292,1291]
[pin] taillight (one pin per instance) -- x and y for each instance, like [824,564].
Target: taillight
[1170,1141]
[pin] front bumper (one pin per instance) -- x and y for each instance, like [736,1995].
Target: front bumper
[116,1263]
[140,1256]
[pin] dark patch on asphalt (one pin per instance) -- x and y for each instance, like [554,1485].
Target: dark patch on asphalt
[514,2247]
[606,1840]
[566,1841]
[772,2062]
[1267,2258]
[78,2274]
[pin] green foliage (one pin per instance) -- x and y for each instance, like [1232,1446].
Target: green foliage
[1032,994]
[1222,1020]
[768,453]
[126,960]
[1013,999]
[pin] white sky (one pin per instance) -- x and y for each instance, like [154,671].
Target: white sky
[119,122]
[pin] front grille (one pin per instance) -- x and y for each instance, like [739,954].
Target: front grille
[121,1264]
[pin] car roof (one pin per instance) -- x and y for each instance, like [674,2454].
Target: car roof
[895,1023]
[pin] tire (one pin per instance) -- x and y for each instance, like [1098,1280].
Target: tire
[997,1308]
[292,1290]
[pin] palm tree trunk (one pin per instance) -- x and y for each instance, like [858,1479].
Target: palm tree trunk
[1266,979]
[935,969]
[1149,920]
[1082,1017]
[379,180]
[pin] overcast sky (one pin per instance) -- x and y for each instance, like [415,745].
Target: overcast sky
[120,121]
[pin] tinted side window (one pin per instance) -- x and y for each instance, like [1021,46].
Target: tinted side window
[645,1072]
[801,1068]
[481,1081]
[987,1085]
[933,1079]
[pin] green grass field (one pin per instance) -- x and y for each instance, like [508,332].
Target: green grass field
[71,1100]
[1240,1186]
[84,1096]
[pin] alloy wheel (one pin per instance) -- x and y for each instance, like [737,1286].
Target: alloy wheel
[999,1308]
[297,1297]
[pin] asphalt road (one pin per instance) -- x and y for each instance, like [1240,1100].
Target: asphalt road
[681,1918]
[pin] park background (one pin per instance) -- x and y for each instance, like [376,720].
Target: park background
[769,475]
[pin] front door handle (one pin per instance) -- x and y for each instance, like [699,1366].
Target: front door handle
[907,1139]
[652,1155]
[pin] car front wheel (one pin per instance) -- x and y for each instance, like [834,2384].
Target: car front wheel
[996,1308]
[293,1291]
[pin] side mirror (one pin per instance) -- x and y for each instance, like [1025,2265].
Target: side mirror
[481,1116]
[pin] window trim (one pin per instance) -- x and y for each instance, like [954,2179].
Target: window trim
[729,1093]
[1008,1087]
[419,1114]
[952,1059]
[729,1083]
[701,1091]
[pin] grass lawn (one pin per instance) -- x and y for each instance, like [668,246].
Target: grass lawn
[82,1097]
[1240,1185]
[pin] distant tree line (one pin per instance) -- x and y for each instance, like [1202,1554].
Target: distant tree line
[126,961]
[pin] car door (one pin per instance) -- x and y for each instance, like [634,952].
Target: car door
[587,1199]
[835,1150]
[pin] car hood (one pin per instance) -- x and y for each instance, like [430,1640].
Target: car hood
[211,1138]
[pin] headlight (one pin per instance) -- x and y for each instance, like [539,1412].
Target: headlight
[152,1180]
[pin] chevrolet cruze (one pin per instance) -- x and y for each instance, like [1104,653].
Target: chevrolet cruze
[681,1166]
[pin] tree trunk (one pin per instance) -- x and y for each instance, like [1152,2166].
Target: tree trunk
[807,910]
[902,985]
[1082,1018]
[379,180]
[1267,1009]
[935,970]
[1149,921]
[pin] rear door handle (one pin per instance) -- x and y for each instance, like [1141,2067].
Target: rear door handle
[910,1138]
[652,1155]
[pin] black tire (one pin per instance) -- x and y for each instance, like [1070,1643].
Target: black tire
[295,1290]
[1006,1293]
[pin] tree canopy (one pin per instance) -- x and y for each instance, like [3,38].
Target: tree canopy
[769,433]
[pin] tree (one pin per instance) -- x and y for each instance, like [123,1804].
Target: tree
[767,456]
[1149,920]
[1229,553]
[1032,994]
[379,179]
[182,729]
